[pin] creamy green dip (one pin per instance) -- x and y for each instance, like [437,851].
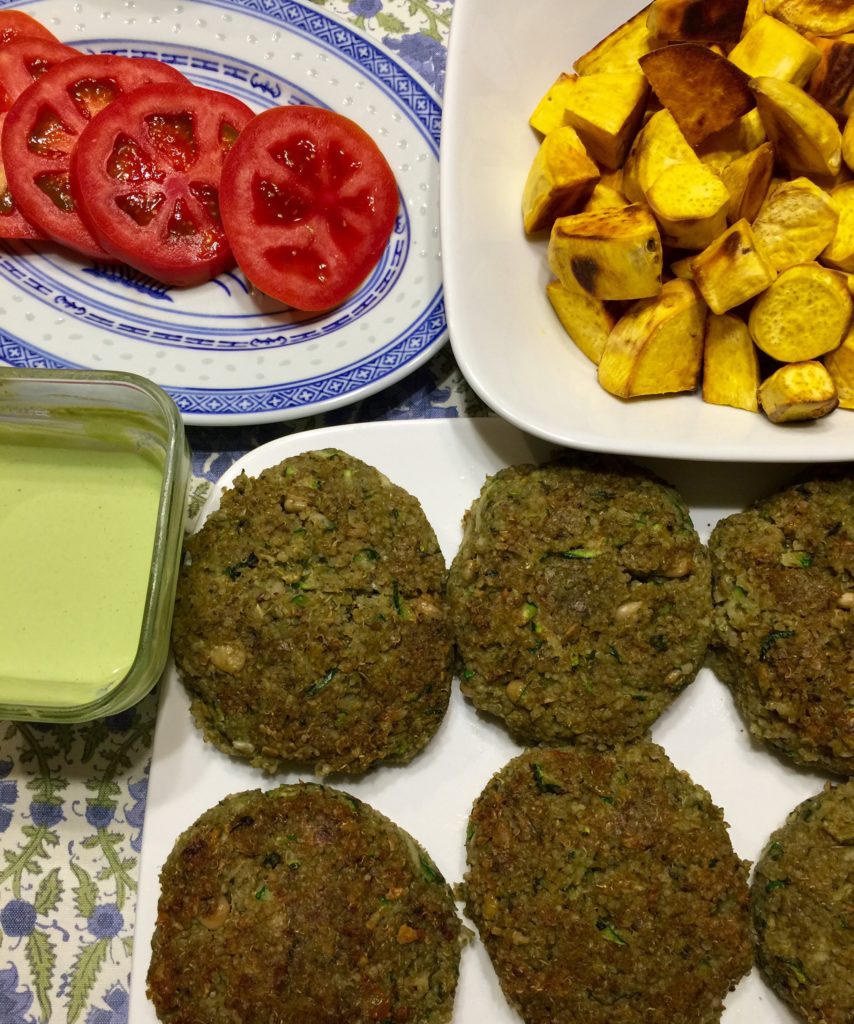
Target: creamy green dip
[77,526]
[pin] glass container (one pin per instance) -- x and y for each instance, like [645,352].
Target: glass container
[93,482]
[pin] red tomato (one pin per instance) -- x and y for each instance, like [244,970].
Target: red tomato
[45,122]
[15,24]
[22,61]
[145,175]
[308,202]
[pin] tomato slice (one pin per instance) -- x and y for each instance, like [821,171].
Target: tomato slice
[308,202]
[22,61]
[43,125]
[16,24]
[145,176]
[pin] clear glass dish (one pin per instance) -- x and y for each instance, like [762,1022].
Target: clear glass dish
[93,480]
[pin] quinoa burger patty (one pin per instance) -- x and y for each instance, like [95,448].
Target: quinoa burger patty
[302,905]
[606,890]
[783,574]
[581,600]
[310,620]
[802,897]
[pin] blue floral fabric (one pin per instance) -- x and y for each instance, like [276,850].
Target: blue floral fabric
[72,799]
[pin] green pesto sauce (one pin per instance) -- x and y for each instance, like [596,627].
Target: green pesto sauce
[77,525]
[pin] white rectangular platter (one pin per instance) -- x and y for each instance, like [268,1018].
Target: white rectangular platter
[444,463]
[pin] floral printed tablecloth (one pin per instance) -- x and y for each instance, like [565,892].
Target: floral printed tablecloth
[72,799]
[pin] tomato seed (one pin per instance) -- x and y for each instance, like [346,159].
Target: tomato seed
[57,188]
[174,137]
[141,207]
[91,95]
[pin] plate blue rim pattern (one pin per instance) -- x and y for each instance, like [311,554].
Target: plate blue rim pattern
[403,353]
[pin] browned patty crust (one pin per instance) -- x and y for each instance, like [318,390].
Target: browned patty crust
[580,598]
[784,619]
[311,621]
[302,905]
[606,890]
[802,897]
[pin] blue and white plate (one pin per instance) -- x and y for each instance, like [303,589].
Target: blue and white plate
[226,354]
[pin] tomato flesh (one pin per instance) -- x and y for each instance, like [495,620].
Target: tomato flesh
[16,25]
[43,126]
[22,61]
[146,177]
[308,202]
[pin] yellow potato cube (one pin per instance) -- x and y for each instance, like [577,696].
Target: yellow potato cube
[840,365]
[798,391]
[821,17]
[795,224]
[690,204]
[658,145]
[803,314]
[806,138]
[656,348]
[772,48]
[610,254]
[840,252]
[731,270]
[747,180]
[587,320]
[730,364]
[561,178]
[606,110]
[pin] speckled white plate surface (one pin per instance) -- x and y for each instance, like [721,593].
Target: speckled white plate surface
[225,354]
[432,796]
[503,56]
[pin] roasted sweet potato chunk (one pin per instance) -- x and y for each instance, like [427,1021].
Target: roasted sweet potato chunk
[774,49]
[620,49]
[610,254]
[821,17]
[732,270]
[690,204]
[606,110]
[747,180]
[840,366]
[804,314]
[806,138]
[832,81]
[797,221]
[656,347]
[658,145]
[840,251]
[730,364]
[798,391]
[548,113]
[587,320]
[559,181]
[703,91]
[705,21]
